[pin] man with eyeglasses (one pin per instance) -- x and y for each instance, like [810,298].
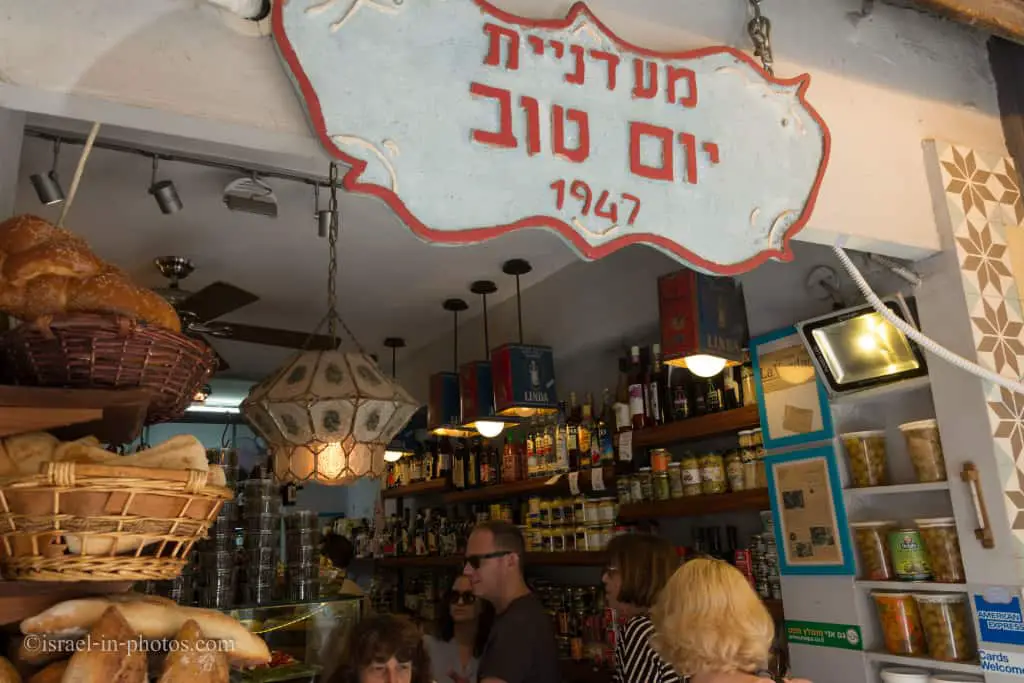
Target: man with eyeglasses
[521,647]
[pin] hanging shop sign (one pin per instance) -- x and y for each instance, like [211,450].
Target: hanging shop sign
[700,314]
[470,122]
[524,380]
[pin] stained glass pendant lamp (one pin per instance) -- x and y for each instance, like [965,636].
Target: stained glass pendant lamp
[444,407]
[524,374]
[476,381]
[328,416]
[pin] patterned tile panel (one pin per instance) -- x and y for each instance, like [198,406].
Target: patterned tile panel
[983,197]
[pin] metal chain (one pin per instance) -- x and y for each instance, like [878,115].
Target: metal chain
[760,30]
[333,317]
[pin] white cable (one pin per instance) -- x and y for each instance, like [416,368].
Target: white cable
[945,354]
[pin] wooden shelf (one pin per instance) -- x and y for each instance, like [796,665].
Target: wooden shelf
[418,489]
[924,662]
[111,415]
[542,486]
[696,506]
[566,559]
[702,427]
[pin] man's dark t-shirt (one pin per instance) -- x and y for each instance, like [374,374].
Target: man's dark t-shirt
[521,647]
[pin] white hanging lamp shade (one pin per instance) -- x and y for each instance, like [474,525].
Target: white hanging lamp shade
[328,415]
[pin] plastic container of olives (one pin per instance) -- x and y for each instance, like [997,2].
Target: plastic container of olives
[946,620]
[872,541]
[866,452]
[901,624]
[925,449]
[943,547]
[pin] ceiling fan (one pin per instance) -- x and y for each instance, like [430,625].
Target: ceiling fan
[199,310]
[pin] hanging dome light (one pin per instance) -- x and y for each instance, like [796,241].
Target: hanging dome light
[328,416]
[704,365]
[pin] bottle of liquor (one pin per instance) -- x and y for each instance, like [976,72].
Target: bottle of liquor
[429,462]
[713,396]
[680,393]
[459,457]
[606,431]
[493,463]
[654,387]
[572,433]
[730,389]
[443,446]
[590,451]
[637,404]
[621,418]
[561,461]
[531,448]
[473,464]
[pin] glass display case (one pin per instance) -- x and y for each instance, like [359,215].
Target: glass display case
[301,636]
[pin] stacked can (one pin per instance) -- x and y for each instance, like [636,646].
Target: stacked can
[262,539]
[215,564]
[302,551]
[765,560]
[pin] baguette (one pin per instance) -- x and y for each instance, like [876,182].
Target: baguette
[193,660]
[153,619]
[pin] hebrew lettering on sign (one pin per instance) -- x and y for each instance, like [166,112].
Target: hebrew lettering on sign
[470,122]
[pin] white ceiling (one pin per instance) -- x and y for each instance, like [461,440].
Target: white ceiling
[389,282]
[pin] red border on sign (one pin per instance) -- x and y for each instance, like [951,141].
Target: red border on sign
[351,180]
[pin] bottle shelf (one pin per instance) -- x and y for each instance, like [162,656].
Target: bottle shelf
[924,662]
[582,558]
[913,586]
[702,427]
[420,488]
[696,506]
[557,485]
[898,488]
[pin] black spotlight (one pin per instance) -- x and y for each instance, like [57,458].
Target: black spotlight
[47,186]
[163,191]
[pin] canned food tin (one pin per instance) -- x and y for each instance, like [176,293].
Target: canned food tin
[909,559]
[606,510]
[580,534]
[623,488]
[660,458]
[557,512]
[545,513]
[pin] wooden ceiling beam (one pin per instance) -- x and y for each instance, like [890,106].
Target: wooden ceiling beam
[1000,17]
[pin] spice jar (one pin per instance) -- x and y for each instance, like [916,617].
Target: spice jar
[646,484]
[622,488]
[872,541]
[734,470]
[690,465]
[636,493]
[675,479]
[866,452]
[660,485]
[943,547]
[606,510]
[901,623]
[712,473]
[925,449]
[946,621]
[660,458]
[746,438]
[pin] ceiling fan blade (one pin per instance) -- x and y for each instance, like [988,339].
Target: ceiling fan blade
[216,300]
[273,337]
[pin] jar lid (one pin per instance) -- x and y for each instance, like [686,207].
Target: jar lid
[920,424]
[946,598]
[745,431]
[675,464]
[645,469]
[863,435]
[867,525]
[935,521]
[887,594]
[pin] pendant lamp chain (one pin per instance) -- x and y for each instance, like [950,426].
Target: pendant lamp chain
[333,317]
[760,30]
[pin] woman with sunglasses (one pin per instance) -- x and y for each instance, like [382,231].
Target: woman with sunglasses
[639,567]
[462,630]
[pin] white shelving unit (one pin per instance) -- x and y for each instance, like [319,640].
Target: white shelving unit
[912,586]
[921,663]
[893,489]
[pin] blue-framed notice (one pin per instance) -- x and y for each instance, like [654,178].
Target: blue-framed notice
[811,529]
[792,402]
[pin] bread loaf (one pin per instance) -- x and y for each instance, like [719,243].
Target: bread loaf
[111,654]
[50,674]
[154,619]
[8,674]
[45,270]
[194,659]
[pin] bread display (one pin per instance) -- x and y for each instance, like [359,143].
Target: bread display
[8,674]
[111,654]
[46,270]
[50,674]
[152,618]
[195,659]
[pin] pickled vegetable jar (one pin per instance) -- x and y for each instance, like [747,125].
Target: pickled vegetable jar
[943,547]
[712,473]
[925,449]
[866,452]
[946,620]
[872,541]
[901,623]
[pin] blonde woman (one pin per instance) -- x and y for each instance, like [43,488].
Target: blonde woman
[711,626]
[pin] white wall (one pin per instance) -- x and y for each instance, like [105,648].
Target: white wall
[882,83]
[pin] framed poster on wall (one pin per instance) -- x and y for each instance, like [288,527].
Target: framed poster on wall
[811,529]
[792,401]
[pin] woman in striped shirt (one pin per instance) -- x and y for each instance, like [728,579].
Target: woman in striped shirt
[639,567]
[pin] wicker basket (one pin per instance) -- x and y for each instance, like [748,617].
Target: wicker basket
[91,351]
[66,523]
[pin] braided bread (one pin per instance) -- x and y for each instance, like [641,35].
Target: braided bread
[46,270]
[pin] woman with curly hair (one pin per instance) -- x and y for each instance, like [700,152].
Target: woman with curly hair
[383,648]
[711,626]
